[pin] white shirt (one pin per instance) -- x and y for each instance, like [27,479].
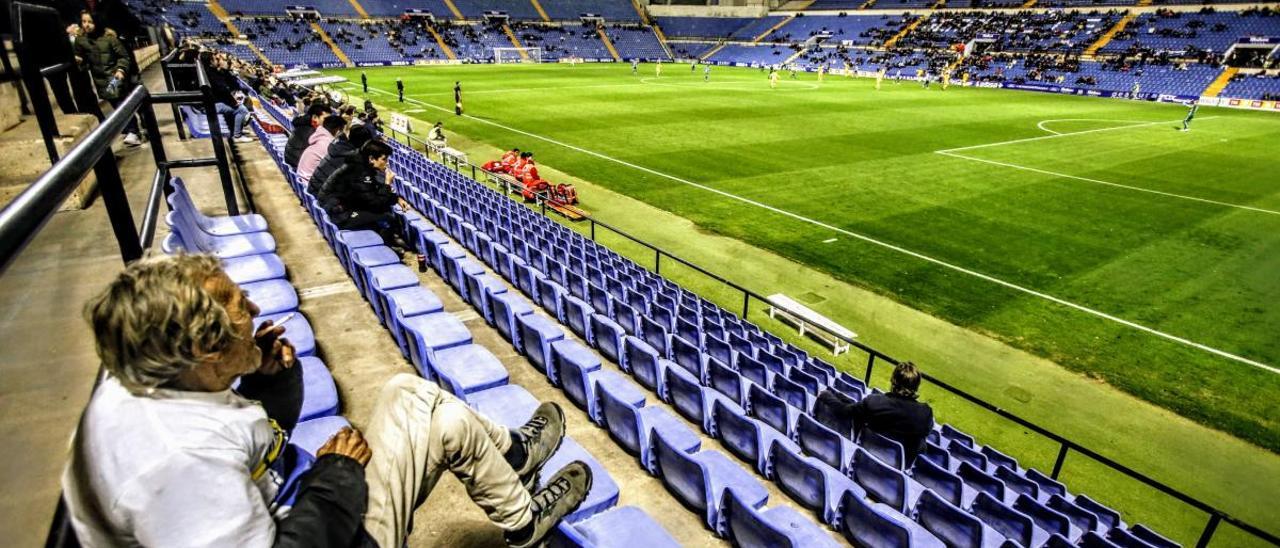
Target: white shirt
[172,468]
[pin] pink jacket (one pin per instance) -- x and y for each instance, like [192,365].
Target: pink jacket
[317,149]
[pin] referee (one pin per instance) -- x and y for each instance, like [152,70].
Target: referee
[457,98]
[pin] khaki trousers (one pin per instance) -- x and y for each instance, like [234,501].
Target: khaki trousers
[419,431]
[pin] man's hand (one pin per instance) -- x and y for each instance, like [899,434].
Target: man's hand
[277,352]
[348,442]
[120,74]
[404,205]
[391,176]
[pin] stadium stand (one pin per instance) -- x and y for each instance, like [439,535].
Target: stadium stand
[610,10]
[1189,34]
[636,43]
[1264,85]
[562,40]
[287,42]
[862,30]
[702,27]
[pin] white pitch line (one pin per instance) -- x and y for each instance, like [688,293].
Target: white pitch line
[1108,183]
[828,241]
[886,245]
[1043,122]
[1057,135]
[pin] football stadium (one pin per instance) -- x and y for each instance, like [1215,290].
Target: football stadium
[613,273]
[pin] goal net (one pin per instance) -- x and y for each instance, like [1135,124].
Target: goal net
[517,55]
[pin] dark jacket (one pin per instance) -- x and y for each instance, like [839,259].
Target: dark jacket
[356,187]
[898,418]
[223,84]
[298,140]
[103,54]
[340,150]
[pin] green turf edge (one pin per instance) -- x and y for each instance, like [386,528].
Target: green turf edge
[1197,460]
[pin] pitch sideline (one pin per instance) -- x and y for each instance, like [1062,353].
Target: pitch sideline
[886,245]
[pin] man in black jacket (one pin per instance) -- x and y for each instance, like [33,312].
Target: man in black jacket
[340,150]
[896,415]
[169,454]
[303,126]
[359,195]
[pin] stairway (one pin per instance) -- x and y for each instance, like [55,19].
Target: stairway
[328,40]
[355,4]
[644,16]
[894,40]
[457,14]
[541,12]
[448,52]
[712,51]
[25,157]
[1029,4]
[511,35]
[608,44]
[1218,84]
[1111,33]
[766,33]
[221,13]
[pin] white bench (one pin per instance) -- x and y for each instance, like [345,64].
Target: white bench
[787,310]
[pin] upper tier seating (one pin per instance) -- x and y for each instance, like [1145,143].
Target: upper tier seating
[701,27]
[571,10]
[1177,32]
[287,41]
[1265,86]
[859,29]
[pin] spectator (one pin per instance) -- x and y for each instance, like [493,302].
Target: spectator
[436,137]
[303,126]
[340,150]
[167,454]
[228,97]
[110,65]
[896,415]
[318,146]
[359,196]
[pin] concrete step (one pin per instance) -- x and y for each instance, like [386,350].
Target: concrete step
[25,157]
[10,105]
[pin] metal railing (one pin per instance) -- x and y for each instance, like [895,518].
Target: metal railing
[1066,446]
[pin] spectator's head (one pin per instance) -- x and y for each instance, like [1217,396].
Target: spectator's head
[375,154]
[87,25]
[358,136]
[174,322]
[334,124]
[526,155]
[906,380]
[316,112]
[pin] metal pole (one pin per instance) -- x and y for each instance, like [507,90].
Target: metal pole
[215,135]
[1062,458]
[593,228]
[177,110]
[746,303]
[871,363]
[657,261]
[117,204]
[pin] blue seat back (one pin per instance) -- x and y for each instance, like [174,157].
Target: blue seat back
[655,334]
[1109,518]
[686,355]
[948,522]
[866,527]
[1014,525]
[883,483]
[739,433]
[685,394]
[751,369]
[798,477]
[790,392]
[1019,484]
[1081,518]
[821,442]
[747,528]
[681,474]
[981,481]
[622,420]
[768,409]
[725,381]
[885,449]
[1044,517]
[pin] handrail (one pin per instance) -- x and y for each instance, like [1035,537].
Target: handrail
[1065,445]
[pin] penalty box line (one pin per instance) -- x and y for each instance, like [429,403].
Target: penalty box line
[873,241]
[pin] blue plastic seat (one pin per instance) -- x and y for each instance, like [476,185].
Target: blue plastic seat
[536,334]
[608,337]
[772,411]
[509,405]
[874,525]
[507,307]
[1149,536]
[686,355]
[1052,521]
[752,370]
[479,288]
[319,393]
[577,315]
[996,458]
[384,279]
[224,247]
[468,368]
[953,525]
[745,437]
[431,333]
[811,482]
[701,479]
[1107,518]
[1082,519]
[622,527]
[297,330]
[982,481]
[550,296]
[726,381]
[180,199]
[945,484]
[692,400]
[655,334]
[310,435]
[406,302]
[776,527]
[1007,521]
[254,268]
[637,352]
[272,296]
[794,394]
[458,271]
[1095,540]
[1015,483]
[884,483]
[604,490]
[1048,486]
[888,451]
[364,259]
[631,426]
[824,443]
[627,317]
[951,433]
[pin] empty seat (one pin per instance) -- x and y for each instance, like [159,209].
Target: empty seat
[982,481]
[1082,519]
[954,526]
[622,527]
[770,410]
[811,482]
[1007,521]
[945,484]
[431,333]
[700,480]
[1017,483]
[608,337]
[406,302]
[272,296]
[745,436]
[467,368]
[582,377]
[310,435]
[874,525]
[576,314]
[888,451]
[253,268]
[726,381]
[824,443]
[1107,518]
[319,394]
[885,483]
[691,399]
[632,426]
[1149,536]
[777,527]
[506,308]
[536,334]
[636,351]
[479,288]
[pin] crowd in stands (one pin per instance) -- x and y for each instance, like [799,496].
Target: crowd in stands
[1022,31]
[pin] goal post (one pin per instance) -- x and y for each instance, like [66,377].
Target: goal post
[517,55]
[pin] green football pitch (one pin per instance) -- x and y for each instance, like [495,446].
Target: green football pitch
[1087,232]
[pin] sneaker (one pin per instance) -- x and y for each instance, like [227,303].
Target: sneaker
[541,437]
[561,497]
[243,139]
[132,140]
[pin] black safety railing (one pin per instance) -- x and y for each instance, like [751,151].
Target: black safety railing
[1215,516]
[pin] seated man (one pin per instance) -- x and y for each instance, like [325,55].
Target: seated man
[527,173]
[436,137]
[359,195]
[896,415]
[505,164]
[167,454]
[228,97]
[340,150]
